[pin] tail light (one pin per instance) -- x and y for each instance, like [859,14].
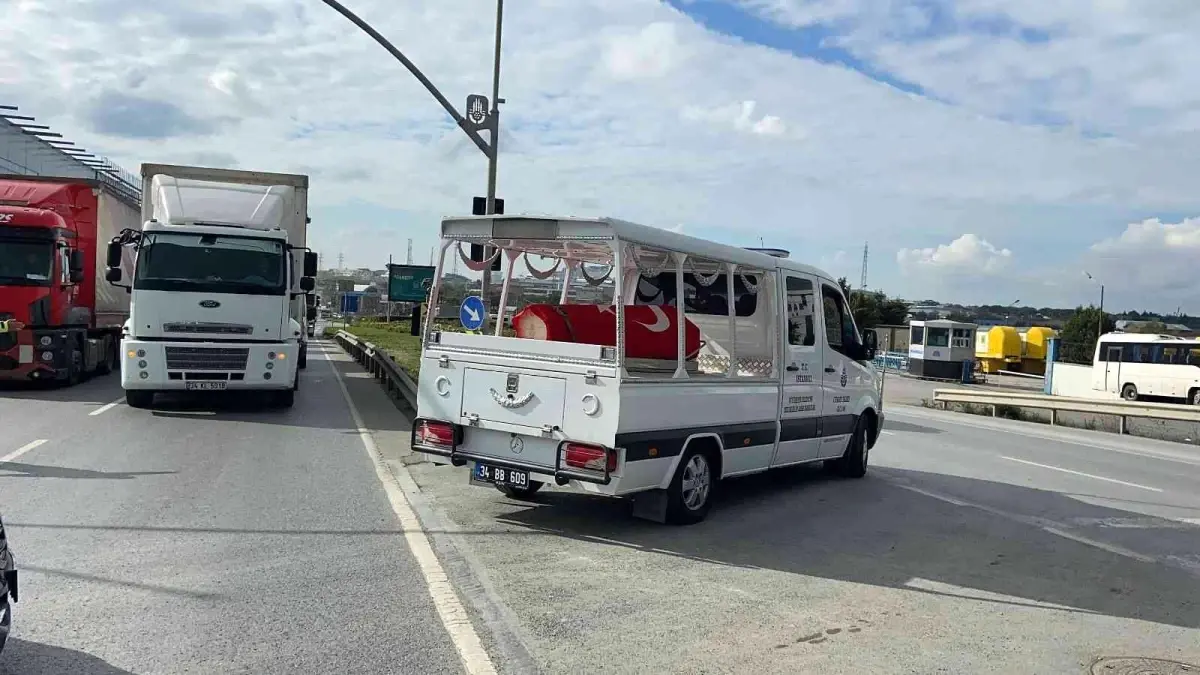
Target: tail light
[589,457]
[431,432]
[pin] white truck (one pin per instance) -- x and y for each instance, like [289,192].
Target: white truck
[219,281]
[705,362]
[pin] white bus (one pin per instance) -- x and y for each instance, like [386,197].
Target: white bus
[1134,365]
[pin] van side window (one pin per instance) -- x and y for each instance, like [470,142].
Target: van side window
[839,324]
[801,332]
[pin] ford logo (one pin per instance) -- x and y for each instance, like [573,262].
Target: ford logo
[210,304]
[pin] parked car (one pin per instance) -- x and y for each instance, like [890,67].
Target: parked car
[8,586]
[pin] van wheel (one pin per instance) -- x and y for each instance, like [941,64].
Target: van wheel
[139,398]
[524,494]
[689,496]
[303,362]
[1194,396]
[853,464]
[1129,392]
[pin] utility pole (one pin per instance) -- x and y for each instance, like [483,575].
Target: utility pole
[408,261]
[863,281]
[471,127]
[1100,323]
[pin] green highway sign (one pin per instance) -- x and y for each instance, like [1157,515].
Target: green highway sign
[409,283]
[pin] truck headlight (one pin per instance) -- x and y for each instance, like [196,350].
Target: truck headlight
[46,341]
[47,356]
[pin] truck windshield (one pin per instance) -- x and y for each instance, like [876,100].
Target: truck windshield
[26,263]
[204,263]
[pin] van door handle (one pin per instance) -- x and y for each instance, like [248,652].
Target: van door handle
[830,369]
[793,367]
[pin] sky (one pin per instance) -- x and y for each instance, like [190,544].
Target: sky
[987,151]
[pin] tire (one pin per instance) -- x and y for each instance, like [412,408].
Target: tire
[685,506]
[286,398]
[302,363]
[524,494]
[139,398]
[853,464]
[111,358]
[1129,392]
[75,368]
[1194,397]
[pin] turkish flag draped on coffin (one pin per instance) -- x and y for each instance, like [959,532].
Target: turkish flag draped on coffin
[650,330]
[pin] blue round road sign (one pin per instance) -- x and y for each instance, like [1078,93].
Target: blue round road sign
[471,312]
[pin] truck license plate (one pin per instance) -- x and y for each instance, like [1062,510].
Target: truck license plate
[204,386]
[500,475]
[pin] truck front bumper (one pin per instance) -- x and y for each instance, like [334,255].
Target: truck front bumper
[23,356]
[207,366]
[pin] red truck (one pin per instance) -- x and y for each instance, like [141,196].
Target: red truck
[59,319]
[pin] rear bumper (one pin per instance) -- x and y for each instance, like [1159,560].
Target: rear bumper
[557,474]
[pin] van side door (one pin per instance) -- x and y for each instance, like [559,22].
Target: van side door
[800,400]
[841,376]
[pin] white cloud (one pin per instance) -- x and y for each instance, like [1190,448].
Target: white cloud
[1150,261]
[739,117]
[969,254]
[809,156]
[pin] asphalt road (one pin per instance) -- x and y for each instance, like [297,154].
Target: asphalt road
[201,540]
[972,546]
[206,537]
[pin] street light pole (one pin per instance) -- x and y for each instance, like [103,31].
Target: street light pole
[489,148]
[485,283]
[1100,323]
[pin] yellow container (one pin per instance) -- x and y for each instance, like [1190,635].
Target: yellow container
[998,348]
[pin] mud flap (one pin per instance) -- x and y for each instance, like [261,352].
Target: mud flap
[651,505]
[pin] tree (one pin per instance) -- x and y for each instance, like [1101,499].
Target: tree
[1079,334]
[873,308]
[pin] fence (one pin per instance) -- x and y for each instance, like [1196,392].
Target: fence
[381,366]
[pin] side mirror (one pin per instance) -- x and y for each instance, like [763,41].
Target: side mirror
[870,345]
[76,276]
[312,313]
[76,263]
[113,275]
[310,264]
[307,283]
[113,258]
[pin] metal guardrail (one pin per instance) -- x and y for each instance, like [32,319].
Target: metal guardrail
[381,366]
[1122,410]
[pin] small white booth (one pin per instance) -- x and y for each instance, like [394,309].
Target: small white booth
[938,348]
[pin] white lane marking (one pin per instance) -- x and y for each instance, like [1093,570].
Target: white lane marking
[1080,473]
[888,433]
[106,407]
[450,610]
[22,450]
[991,425]
[1047,526]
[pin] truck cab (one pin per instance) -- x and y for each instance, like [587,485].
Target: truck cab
[58,320]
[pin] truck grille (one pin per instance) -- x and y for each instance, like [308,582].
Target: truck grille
[206,358]
[7,340]
[210,328]
[8,363]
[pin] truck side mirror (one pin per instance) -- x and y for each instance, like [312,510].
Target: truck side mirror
[113,256]
[307,283]
[310,264]
[113,275]
[77,261]
[312,313]
[870,345]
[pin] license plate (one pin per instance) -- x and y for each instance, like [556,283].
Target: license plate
[204,386]
[501,475]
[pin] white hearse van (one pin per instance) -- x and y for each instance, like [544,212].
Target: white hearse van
[627,386]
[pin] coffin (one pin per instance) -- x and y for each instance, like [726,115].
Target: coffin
[650,330]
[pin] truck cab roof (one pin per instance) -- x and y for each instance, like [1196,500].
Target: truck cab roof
[186,201]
